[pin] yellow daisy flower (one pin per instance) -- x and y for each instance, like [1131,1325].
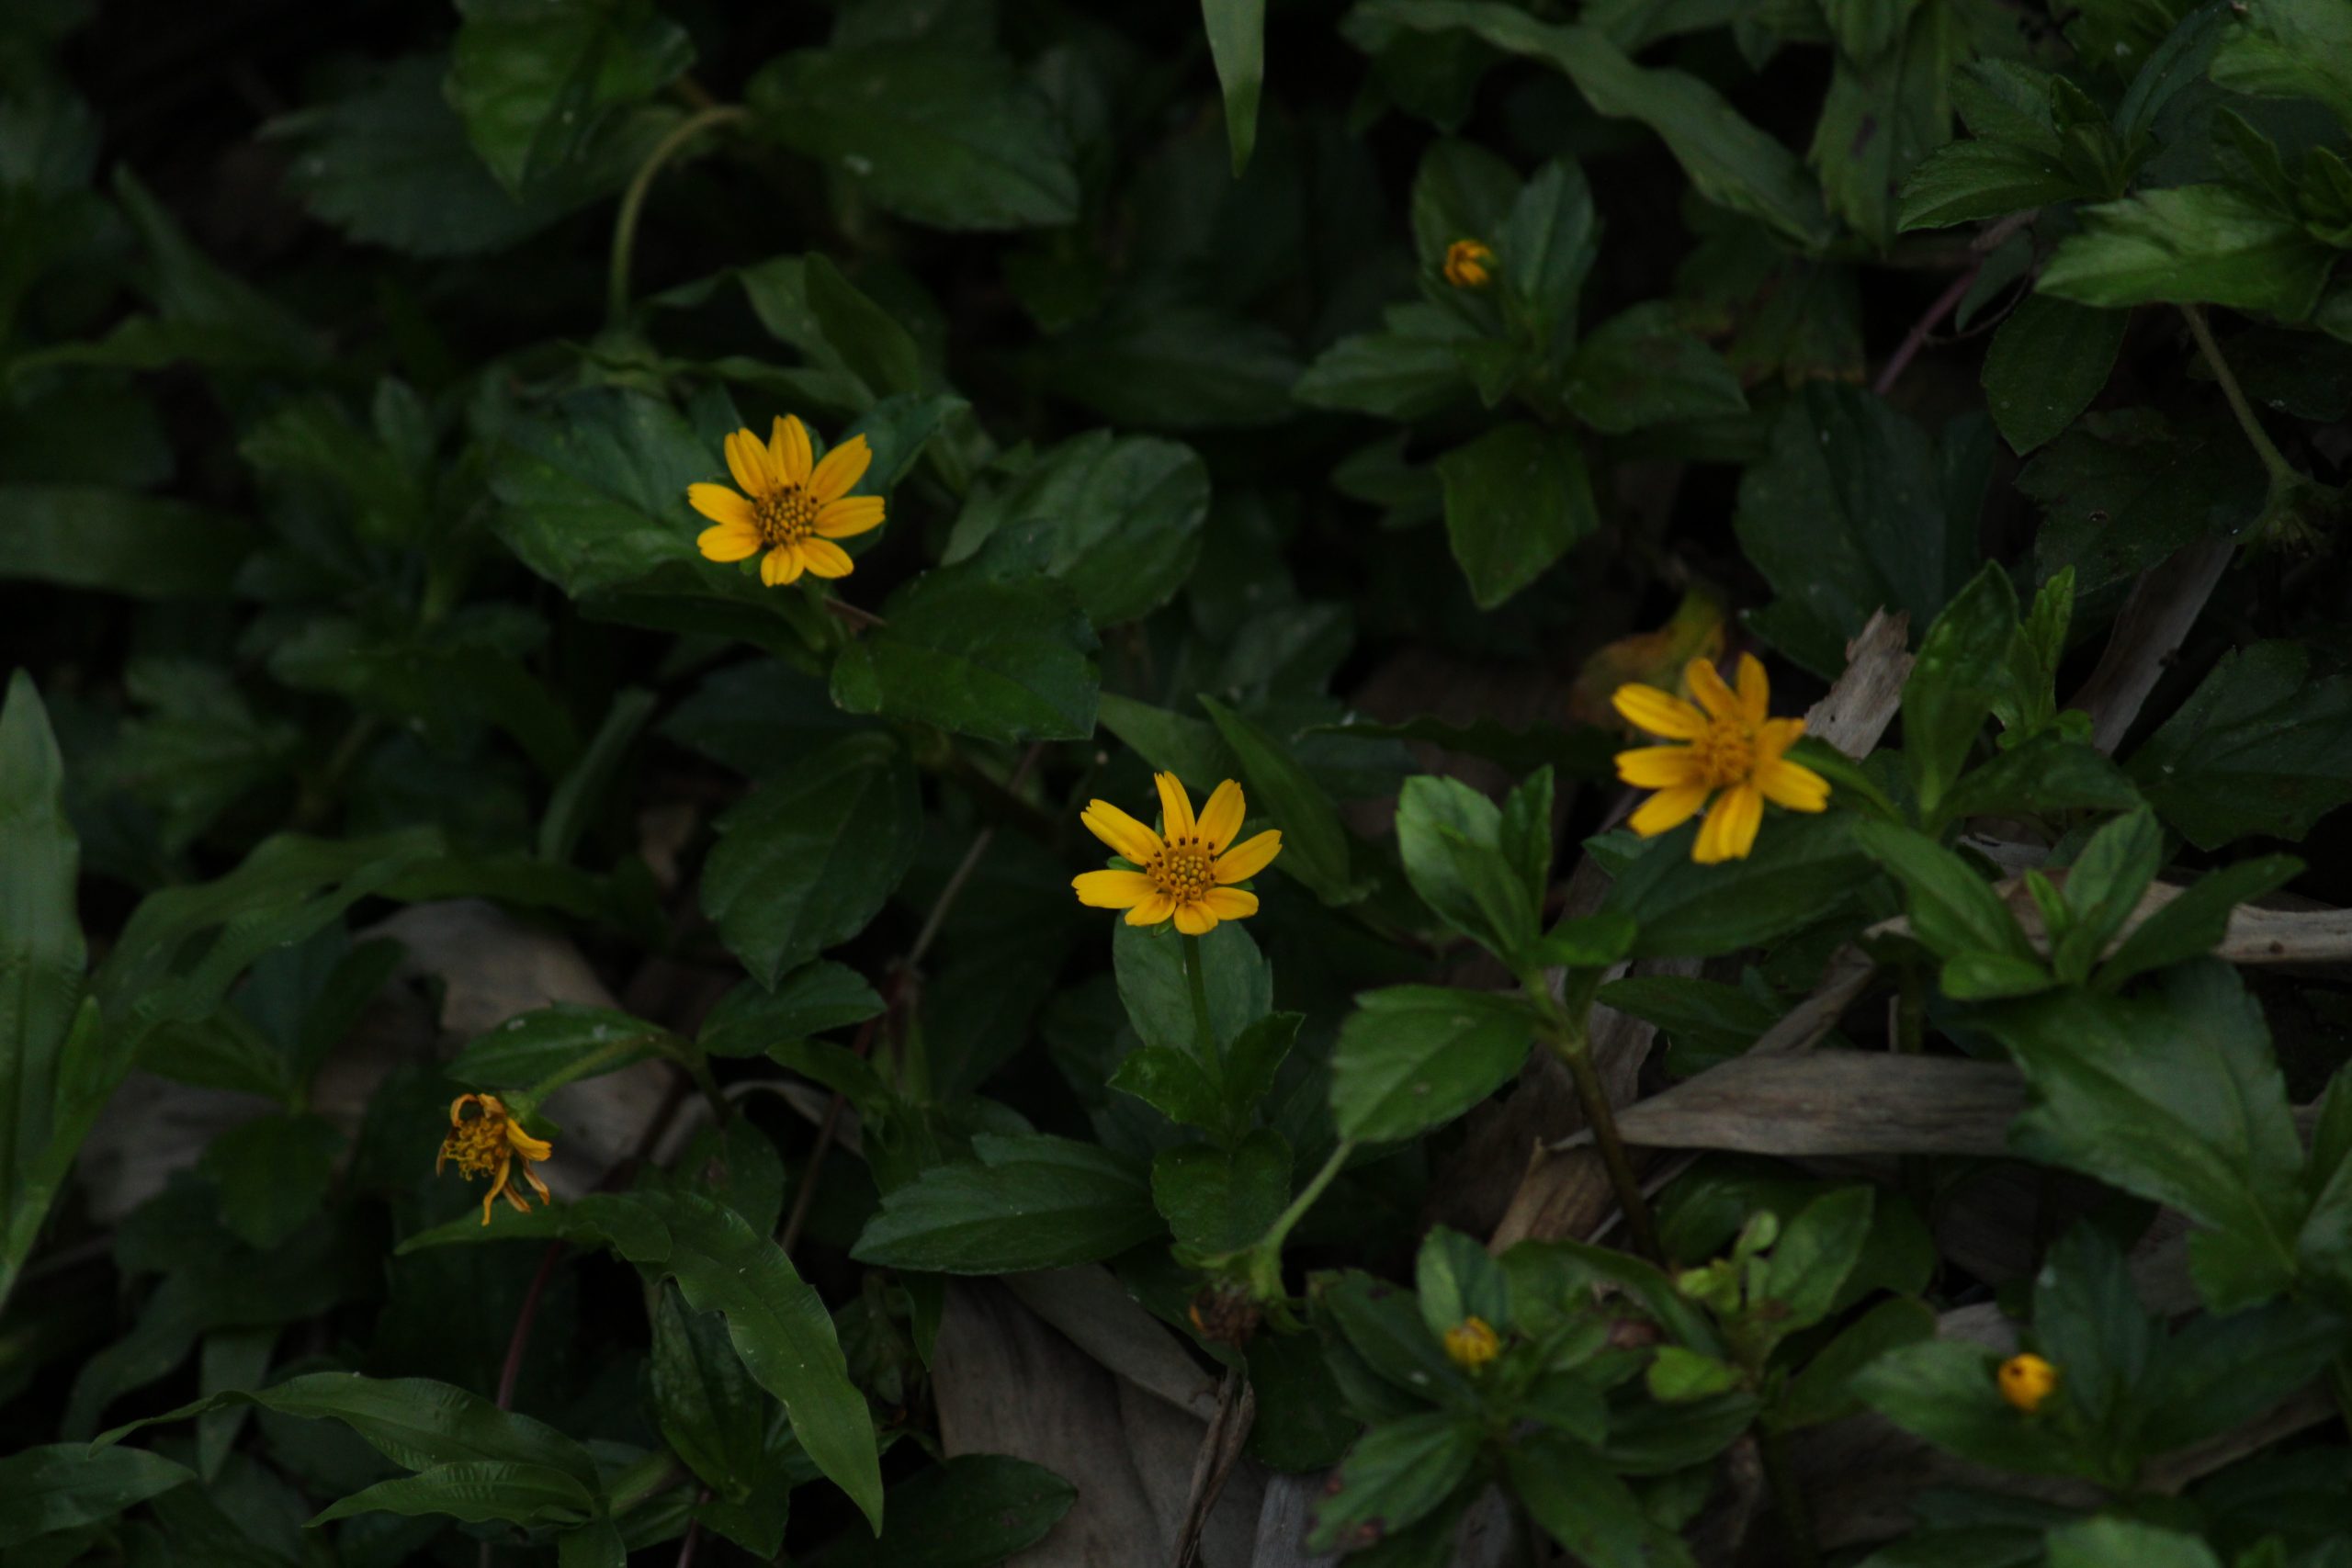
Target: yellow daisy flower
[1469,263]
[1730,744]
[792,506]
[486,1143]
[1187,875]
[2027,1381]
[1472,1343]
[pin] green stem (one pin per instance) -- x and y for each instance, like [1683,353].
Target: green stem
[1788,1498]
[2281,470]
[1601,1117]
[1279,1232]
[633,202]
[1204,1032]
[642,1482]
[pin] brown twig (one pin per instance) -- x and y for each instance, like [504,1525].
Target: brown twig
[1980,250]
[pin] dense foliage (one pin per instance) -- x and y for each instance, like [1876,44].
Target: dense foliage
[935,780]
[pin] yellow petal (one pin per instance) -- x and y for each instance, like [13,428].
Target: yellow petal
[1175,808]
[1245,860]
[842,467]
[720,505]
[1152,910]
[1221,817]
[1660,713]
[1729,831]
[1775,736]
[488,1200]
[788,446]
[1791,785]
[458,1106]
[1194,919]
[780,566]
[1667,810]
[850,516]
[728,542]
[1113,889]
[826,559]
[1660,767]
[1708,687]
[1231,903]
[537,1186]
[527,1145]
[748,461]
[1755,690]
[1126,836]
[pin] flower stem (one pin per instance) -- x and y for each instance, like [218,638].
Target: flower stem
[633,202]
[520,1341]
[1212,1055]
[1567,1030]
[1279,1232]
[2279,469]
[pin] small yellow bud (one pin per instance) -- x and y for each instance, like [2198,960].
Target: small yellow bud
[1468,264]
[2027,1381]
[1472,1343]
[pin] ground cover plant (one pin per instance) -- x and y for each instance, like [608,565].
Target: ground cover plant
[932,782]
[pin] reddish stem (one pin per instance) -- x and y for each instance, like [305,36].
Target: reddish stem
[520,1341]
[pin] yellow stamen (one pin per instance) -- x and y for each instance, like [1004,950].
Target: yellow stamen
[1472,1343]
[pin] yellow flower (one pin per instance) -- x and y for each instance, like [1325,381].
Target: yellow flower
[1188,874]
[486,1145]
[1468,264]
[1472,1343]
[792,507]
[2027,1381]
[1730,743]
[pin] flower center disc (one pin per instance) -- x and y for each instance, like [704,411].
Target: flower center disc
[1725,754]
[1181,871]
[474,1145]
[785,516]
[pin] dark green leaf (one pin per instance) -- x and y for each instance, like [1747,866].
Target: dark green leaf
[1641,367]
[273,1172]
[813,1000]
[1315,846]
[1150,968]
[1802,869]
[1589,1512]
[1394,1476]
[1516,500]
[553,1045]
[2046,364]
[538,83]
[62,1485]
[1954,685]
[1219,1200]
[2193,923]
[999,659]
[476,1491]
[117,541]
[1413,1057]
[1451,839]
[1237,31]
[2213,244]
[1029,1202]
[2259,747]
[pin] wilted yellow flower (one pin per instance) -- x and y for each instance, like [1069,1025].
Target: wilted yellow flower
[2027,1381]
[1730,743]
[1469,263]
[1472,1343]
[1189,874]
[485,1144]
[792,506]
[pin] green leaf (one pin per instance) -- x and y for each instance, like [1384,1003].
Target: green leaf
[1642,367]
[119,542]
[1816,1252]
[1953,910]
[968,1511]
[1413,1057]
[1007,661]
[273,1172]
[1944,1390]
[2122,491]
[579,793]
[1884,111]
[1954,682]
[1821,1392]
[2260,746]
[2173,1096]
[1315,846]
[2212,244]
[1452,841]
[1150,969]
[1855,510]
[2289,48]
[1030,1201]
[1409,372]
[1117,518]
[550,1046]
[813,1000]
[1397,1473]
[2047,775]
[867,340]
[810,855]
[2125,1543]
[1677,1375]
[1802,869]
[710,1412]
[954,138]
[2046,364]
[1963,182]
[62,1486]
[1572,1495]
[2103,886]
[538,83]
[1219,1201]
[1455,1279]
[1516,500]
[476,1491]
[1237,31]
[1172,367]
[1547,245]
[2194,923]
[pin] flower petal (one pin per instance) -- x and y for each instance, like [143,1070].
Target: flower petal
[1708,686]
[842,467]
[1667,810]
[1231,903]
[780,566]
[826,559]
[527,1145]
[1660,713]
[1775,736]
[1194,919]
[728,542]
[1222,816]
[1791,785]
[1175,808]
[850,516]
[1152,910]
[1660,767]
[1729,831]
[1754,690]
[1126,836]
[748,461]
[788,446]
[1113,889]
[1249,858]
[721,505]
